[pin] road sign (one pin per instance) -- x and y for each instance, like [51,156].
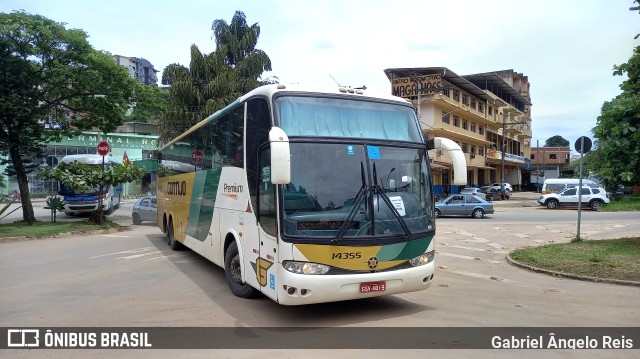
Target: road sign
[103,148]
[587,144]
[196,156]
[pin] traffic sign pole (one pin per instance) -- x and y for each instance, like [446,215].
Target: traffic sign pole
[583,145]
[103,150]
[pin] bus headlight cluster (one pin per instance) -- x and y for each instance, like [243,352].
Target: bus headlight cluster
[422,259]
[305,267]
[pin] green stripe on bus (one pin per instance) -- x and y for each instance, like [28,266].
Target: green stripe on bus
[203,199]
[403,251]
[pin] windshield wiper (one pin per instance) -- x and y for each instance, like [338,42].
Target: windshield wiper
[381,193]
[362,194]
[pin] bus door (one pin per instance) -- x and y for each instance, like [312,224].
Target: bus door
[268,256]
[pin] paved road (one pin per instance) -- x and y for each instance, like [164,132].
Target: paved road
[132,278]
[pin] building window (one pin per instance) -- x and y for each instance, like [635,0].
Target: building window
[465,147]
[490,110]
[456,121]
[481,151]
[480,107]
[473,149]
[553,156]
[473,127]
[465,124]
[481,130]
[465,99]
[533,156]
[445,118]
[456,95]
[446,92]
[473,103]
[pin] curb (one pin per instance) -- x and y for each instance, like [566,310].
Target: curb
[65,234]
[570,275]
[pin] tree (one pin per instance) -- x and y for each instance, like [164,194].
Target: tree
[83,177]
[214,80]
[52,83]
[556,141]
[149,104]
[618,128]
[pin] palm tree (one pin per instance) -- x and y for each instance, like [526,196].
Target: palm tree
[214,80]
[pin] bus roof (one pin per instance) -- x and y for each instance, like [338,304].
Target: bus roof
[87,159]
[271,90]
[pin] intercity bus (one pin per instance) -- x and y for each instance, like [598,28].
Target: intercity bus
[306,195]
[89,200]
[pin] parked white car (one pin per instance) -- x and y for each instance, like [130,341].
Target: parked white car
[507,186]
[592,198]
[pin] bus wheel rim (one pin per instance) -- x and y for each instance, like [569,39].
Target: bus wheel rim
[235,269]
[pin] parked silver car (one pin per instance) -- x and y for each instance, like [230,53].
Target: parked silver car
[474,191]
[145,209]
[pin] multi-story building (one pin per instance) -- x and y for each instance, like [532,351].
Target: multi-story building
[139,69]
[487,114]
[549,162]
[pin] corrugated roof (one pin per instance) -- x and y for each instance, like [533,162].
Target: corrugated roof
[447,74]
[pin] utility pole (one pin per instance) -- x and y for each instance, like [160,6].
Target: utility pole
[538,165]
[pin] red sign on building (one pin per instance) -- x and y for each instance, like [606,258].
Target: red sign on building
[196,156]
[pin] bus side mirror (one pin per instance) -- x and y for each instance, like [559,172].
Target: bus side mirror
[280,156]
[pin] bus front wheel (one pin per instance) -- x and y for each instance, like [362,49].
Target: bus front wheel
[111,209]
[232,271]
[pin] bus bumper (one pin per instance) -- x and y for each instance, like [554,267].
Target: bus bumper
[297,289]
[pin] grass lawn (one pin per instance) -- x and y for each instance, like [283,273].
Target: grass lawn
[625,203]
[49,229]
[611,259]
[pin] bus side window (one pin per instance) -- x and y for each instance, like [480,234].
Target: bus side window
[266,194]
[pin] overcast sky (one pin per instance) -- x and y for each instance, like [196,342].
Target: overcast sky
[567,48]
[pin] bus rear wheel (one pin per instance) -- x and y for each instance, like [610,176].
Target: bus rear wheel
[232,271]
[171,238]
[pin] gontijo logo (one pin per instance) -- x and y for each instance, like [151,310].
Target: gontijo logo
[178,188]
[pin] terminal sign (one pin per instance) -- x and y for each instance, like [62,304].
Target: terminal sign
[103,148]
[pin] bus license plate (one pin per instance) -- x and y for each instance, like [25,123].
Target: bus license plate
[369,287]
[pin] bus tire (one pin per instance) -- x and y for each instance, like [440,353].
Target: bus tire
[233,274]
[173,244]
[111,209]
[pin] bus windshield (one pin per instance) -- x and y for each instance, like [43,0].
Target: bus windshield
[66,190]
[356,191]
[354,118]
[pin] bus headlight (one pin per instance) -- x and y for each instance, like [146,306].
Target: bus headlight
[422,259]
[305,267]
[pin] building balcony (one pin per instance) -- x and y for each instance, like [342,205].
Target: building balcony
[449,105]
